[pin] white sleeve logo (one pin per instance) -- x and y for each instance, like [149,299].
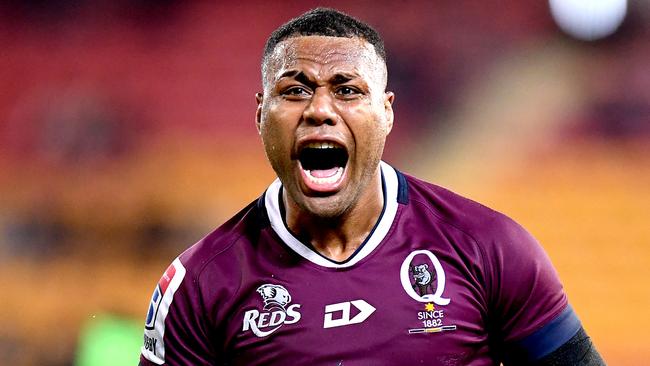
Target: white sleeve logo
[154,327]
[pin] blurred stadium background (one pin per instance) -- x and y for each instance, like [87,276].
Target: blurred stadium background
[126,134]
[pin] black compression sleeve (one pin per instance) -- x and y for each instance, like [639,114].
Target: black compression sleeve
[577,351]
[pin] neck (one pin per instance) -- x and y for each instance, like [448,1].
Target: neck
[338,237]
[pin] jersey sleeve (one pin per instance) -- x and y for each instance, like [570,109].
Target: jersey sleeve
[530,310]
[175,332]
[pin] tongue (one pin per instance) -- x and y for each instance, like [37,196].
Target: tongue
[323,173]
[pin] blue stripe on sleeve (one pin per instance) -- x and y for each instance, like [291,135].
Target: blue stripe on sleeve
[553,335]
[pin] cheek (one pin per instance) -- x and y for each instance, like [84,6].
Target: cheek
[375,130]
[276,131]
[368,127]
[272,139]
[374,111]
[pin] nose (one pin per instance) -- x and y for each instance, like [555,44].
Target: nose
[321,108]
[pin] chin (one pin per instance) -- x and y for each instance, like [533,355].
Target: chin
[324,207]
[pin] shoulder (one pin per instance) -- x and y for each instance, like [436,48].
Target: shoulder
[522,287]
[220,249]
[500,242]
[196,291]
[480,222]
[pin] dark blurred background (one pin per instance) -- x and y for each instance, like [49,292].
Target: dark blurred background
[127,133]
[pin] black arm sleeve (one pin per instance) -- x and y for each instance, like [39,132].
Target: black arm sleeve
[577,351]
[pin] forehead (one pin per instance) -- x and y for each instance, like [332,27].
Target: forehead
[323,55]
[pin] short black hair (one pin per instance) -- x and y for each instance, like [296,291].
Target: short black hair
[325,22]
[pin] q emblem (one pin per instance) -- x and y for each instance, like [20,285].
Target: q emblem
[420,281]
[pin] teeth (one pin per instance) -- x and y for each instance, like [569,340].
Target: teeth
[322,145]
[327,180]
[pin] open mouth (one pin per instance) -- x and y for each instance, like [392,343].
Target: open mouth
[323,163]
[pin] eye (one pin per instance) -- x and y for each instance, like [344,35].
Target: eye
[347,92]
[296,92]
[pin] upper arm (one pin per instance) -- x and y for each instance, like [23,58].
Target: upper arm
[175,331]
[530,314]
[576,351]
[560,333]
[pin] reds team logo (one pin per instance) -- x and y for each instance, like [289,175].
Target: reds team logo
[423,277]
[275,313]
[274,296]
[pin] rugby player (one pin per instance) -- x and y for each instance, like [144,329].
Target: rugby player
[344,260]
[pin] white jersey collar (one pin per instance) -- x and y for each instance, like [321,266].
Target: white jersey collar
[272,205]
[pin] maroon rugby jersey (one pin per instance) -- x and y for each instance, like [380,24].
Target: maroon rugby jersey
[441,280]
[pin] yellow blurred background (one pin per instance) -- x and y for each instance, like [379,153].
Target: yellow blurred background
[126,134]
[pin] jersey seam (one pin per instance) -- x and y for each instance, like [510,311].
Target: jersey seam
[477,243]
[204,325]
[213,257]
[201,271]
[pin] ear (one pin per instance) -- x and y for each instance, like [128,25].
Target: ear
[389,98]
[259,97]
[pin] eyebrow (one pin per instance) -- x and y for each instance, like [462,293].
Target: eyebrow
[339,78]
